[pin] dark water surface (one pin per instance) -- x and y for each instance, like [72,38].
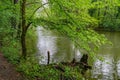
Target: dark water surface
[62,49]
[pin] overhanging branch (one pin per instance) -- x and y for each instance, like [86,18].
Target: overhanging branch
[37,9]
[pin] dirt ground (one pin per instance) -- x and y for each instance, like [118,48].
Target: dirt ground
[8,71]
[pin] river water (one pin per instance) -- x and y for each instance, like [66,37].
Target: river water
[62,49]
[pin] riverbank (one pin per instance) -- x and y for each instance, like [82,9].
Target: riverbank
[8,71]
[10,57]
[106,29]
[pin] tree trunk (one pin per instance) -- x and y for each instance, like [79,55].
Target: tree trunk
[23,42]
[18,31]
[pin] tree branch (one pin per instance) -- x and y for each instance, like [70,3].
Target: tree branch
[37,9]
[45,10]
[28,26]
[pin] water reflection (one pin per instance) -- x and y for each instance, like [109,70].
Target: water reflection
[118,69]
[110,68]
[45,43]
[107,70]
[61,49]
[103,70]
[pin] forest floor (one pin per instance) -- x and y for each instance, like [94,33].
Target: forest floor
[8,71]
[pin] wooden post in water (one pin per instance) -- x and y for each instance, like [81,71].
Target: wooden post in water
[48,53]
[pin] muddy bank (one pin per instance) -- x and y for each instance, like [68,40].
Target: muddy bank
[8,71]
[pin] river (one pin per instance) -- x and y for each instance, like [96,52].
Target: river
[62,49]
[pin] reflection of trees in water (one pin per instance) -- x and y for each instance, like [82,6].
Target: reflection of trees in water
[45,43]
[64,49]
[118,68]
[111,70]
[107,70]
[115,66]
[114,37]
[60,47]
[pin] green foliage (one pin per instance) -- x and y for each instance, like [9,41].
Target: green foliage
[9,44]
[73,73]
[31,8]
[11,50]
[107,12]
[8,20]
[48,72]
[72,19]
[31,41]
[75,19]
[29,67]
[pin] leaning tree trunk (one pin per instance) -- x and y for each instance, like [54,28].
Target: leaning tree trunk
[23,25]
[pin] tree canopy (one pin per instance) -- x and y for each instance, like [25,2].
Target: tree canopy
[75,19]
[72,18]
